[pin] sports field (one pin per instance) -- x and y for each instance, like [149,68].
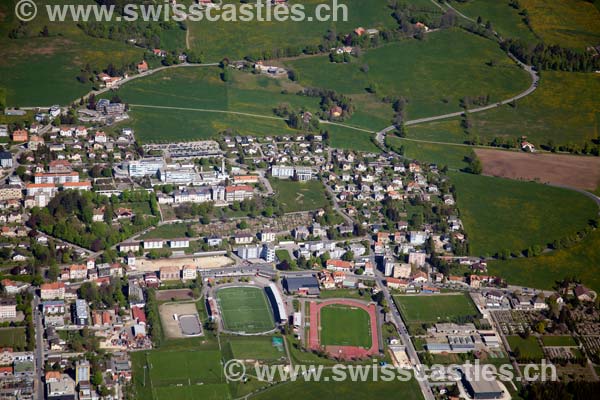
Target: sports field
[13,337]
[500,214]
[179,374]
[245,309]
[346,390]
[435,308]
[299,196]
[345,326]
[253,348]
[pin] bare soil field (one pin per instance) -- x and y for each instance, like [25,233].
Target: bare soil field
[170,325]
[202,262]
[177,294]
[575,171]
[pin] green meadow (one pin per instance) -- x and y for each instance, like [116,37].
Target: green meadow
[42,71]
[452,156]
[506,20]
[236,40]
[433,74]
[299,196]
[580,261]
[503,214]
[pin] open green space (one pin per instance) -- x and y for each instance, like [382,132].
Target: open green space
[167,231]
[445,131]
[505,19]
[433,74]
[435,308]
[347,390]
[569,23]
[198,96]
[345,326]
[254,348]
[350,139]
[245,309]
[500,214]
[299,196]
[209,391]
[580,261]
[527,348]
[451,156]
[564,109]
[558,341]
[42,71]
[13,337]
[236,40]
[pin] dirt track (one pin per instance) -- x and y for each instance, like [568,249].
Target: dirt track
[575,171]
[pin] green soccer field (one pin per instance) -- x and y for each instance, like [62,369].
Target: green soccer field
[436,308]
[345,326]
[245,309]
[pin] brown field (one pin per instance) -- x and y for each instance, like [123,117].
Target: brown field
[575,171]
[177,294]
[170,325]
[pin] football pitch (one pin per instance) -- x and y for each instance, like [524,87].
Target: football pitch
[437,308]
[245,309]
[345,326]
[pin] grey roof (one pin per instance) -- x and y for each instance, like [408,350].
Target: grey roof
[292,284]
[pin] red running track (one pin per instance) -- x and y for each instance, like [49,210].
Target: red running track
[343,352]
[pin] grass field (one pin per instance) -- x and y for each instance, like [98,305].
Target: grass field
[299,196]
[346,390]
[254,348]
[245,309]
[501,214]
[13,337]
[440,154]
[505,19]
[580,260]
[564,110]
[209,391]
[42,71]
[237,40]
[351,139]
[345,326]
[570,23]
[529,348]
[168,231]
[451,64]
[198,96]
[558,341]
[437,308]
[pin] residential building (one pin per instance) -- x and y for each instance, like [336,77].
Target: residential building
[189,272]
[81,314]
[8,309]
[170,273]
[50,291]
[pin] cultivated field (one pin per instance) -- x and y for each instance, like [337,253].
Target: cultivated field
[501,214]
[345,326]
[245,309]
[174,294]
[434,308]
[299,196]
[574,171]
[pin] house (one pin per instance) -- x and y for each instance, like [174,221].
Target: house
[395,283]
[169,273]
[189,272]
[127,247]
[19,136]
[77,271]
[583,294]
[339,265]
[6,159]
[150,244]
[11,287]
[243,238]
[8,309]
[142,66]
[419,277]
[50,291]
[181,243]
[417,258]
[527,147]
[267,236]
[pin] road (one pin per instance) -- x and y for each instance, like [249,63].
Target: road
[410,348]
[39,350]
